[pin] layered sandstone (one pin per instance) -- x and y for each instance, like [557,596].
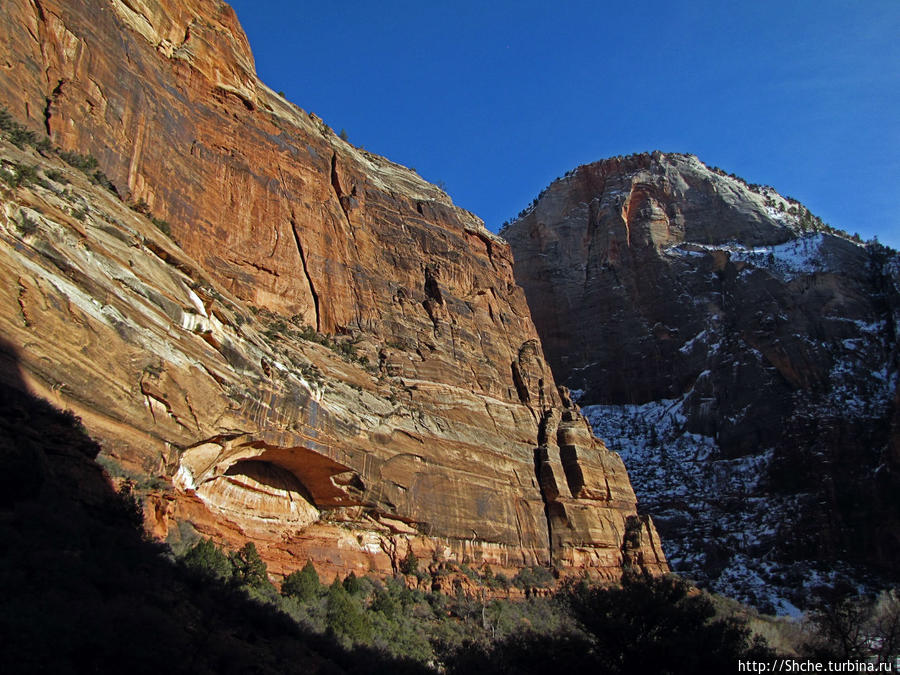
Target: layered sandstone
[740,353]
[333,361]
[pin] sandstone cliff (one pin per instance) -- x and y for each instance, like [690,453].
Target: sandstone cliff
[333,361]
[740,355]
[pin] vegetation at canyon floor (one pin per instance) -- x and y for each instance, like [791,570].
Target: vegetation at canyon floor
[644,624]
[85,589]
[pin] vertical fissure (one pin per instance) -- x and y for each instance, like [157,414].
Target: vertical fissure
[539,460]
[48,104]
[312,287]
[338,192]
[544,476]
[346,201]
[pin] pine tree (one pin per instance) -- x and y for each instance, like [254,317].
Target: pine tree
[351,584]
[303,584]
[249,568]
[344,615]
[208,559]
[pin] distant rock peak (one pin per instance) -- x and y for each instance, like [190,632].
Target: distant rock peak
[741,355]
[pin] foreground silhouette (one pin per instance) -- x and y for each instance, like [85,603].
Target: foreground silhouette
[82,589]
[646,625]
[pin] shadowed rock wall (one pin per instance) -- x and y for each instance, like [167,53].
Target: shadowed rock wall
[740,354]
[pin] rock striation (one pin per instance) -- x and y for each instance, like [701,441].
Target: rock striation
[333,360]
[741,355]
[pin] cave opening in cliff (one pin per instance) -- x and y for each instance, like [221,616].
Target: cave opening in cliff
[260,490]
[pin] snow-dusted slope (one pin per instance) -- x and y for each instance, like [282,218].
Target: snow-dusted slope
[739,354]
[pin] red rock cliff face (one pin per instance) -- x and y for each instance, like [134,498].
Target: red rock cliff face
[431,422]
[742,357]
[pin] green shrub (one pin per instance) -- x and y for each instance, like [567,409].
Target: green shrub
[644,626]
[660,625]
[21,175]
[56,176]
[469,572]
[208,559]
[15,133]
[125,506]
[26,225]
[101,179]
[43,145]
[6,120]
[533,577]
[86,163]
[302,584]
[140,206]
[162,225]
[351,584]
[345,617]
[385,603]
[845,626]
[410,563]
[28,174]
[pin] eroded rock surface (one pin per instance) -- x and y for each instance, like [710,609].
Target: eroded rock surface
[740,355]
[334,361]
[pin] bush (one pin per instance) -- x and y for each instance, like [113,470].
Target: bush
[141,206]
[351,584]
[21,174]
[533,577]
[101,179]
[26,226]
[127,507]
[208,559]
[644,626]
[303,584]
[15,132]
[660,625]
[345,617]
[56,176]
[386,604]
[410,563]
[847,627]
[162,225]
[85,163]
[88,165]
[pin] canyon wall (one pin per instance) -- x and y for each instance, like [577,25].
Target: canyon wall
[327,357]
[741,355]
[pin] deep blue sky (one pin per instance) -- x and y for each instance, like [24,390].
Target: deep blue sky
[496,99]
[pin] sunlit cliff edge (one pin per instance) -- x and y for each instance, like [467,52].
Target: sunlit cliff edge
[333,361]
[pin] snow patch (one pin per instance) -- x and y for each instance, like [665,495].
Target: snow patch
[719,526]
[797,257]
